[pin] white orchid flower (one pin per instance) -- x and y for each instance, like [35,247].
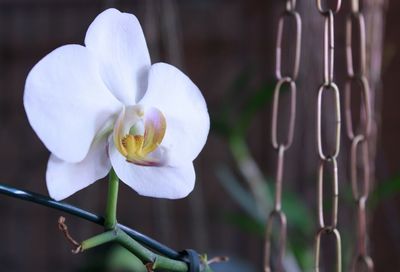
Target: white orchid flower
[104,105]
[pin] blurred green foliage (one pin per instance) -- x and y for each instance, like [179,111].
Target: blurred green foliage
[384,191]
[253,192]
[113,258]
[234,117]
[240,106]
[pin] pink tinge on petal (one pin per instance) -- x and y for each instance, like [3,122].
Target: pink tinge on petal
[138,146]
[161,182]
[155,127]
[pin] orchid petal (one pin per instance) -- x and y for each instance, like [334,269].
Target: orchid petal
[185,111]
[67,102]
[154,181]
[64,178]
[118,42]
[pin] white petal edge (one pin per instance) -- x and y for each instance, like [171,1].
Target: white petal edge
[184,108]
[64,179]
[154,181]
[67,102]
[119,44]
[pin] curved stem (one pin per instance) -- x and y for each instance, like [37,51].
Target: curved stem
[112,200]
[73,210]
[124,235]
[159,262]
[144,254]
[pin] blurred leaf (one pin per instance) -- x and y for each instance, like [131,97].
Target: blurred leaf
[237,111]
[243,197]
[220,126]
[297,213]
[240,84]
[221,119]
[348,244]
[251,173]
[253,105]
[245,223]
[238,146]
[346,193]
[385,190]
[232,121]
[304,254]
[301,226]
[296,210]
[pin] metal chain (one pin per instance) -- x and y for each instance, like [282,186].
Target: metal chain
[282,145]
[328,159]
[359,158]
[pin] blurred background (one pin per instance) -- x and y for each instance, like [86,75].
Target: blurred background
[227,48]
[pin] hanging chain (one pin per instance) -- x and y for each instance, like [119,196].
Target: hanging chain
[328,160]
[359,158]
[282,145]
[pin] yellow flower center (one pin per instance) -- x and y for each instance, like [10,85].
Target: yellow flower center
[138,135]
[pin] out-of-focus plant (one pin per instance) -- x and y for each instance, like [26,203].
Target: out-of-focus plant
[384,191]
[114,259]
[255,195]
[253,190]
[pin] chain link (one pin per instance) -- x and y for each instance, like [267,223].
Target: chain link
[290,5]
[338,247]
[359,157]
[275,112]
[355,6]
[324,87]
[329,46]
[359,137]
[328,158]
[281,145]
[281,217]
[297,39]
[335,193]
[325,11]
[364,120]
[359,142]
[358,20]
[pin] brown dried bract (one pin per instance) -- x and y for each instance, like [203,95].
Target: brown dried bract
[64,229]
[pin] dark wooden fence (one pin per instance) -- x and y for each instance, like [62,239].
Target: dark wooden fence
[213,42]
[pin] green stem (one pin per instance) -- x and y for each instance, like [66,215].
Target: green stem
[99,240]
[159,262]
[144,254]
[114,234]
[112,199]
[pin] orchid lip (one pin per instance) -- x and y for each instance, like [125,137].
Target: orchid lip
[138,134]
